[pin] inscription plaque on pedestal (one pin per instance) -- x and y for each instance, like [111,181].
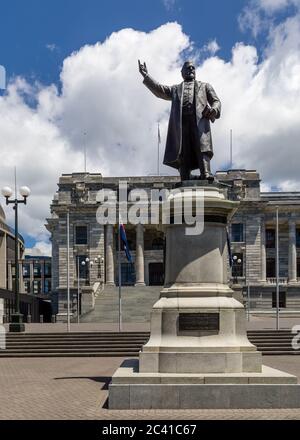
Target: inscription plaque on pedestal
[199,321]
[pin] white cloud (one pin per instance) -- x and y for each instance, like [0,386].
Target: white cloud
[259,15]
[52,47]
[41,248]
[103,95]
[169,4]
[212,47]
[275,5]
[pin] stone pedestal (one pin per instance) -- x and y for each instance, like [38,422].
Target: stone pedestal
[198,354]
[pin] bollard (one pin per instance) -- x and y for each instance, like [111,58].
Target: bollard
[29,319]
[41,319]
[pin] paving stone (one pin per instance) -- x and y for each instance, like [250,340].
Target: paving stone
[77,388]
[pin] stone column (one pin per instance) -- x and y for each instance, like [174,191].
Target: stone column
[31,277]
[9,276]
[292,252]
[109,255]
[263,275]
[21,278]
[139,256]
[3,274]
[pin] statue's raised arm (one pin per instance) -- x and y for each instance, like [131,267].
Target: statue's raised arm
[143,69]
[163,92]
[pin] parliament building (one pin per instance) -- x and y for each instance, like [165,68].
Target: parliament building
[93,247]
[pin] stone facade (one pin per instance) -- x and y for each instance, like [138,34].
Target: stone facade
[252,238]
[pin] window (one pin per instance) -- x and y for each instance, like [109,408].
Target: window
[81,235]
[47,269]
[26,270]
[270,238]
[37,286]
[297,237]
[282,300]
[47,286]
[37,269]
[271,267]
[237,232]
[27,286]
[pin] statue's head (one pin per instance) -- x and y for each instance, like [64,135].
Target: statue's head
[188,71]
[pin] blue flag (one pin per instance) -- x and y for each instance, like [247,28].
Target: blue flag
[125,242]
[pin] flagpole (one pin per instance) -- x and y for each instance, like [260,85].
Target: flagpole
[158,142]
[84,150]
[120,276]
[277,271]
[231,149]
[68,274]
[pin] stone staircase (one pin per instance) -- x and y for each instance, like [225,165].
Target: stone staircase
[137,304]
[124,344]
[274,342]
[85,344]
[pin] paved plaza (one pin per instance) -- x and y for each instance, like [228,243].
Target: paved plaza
[76,388]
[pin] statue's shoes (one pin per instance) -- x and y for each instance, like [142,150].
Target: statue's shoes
[208,176]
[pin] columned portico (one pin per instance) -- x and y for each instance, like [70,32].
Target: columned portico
[139,256]
[263,249]
[109,255]
[292,252]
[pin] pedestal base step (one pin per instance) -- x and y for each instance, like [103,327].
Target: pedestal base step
[270,389]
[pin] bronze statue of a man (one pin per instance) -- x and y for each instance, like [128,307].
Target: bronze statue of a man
[194,105]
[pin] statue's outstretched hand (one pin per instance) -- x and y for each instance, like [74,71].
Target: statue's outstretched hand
[143,69]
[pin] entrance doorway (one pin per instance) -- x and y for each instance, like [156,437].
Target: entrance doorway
[156,274]
[127,274]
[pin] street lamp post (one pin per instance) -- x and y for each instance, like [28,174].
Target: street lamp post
[78,290]
[16,324]
[89,265]
[100,261]
[236,262]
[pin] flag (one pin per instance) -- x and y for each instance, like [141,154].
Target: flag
[125,242]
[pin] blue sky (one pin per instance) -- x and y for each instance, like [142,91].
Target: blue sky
[36,36]
[253,63]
